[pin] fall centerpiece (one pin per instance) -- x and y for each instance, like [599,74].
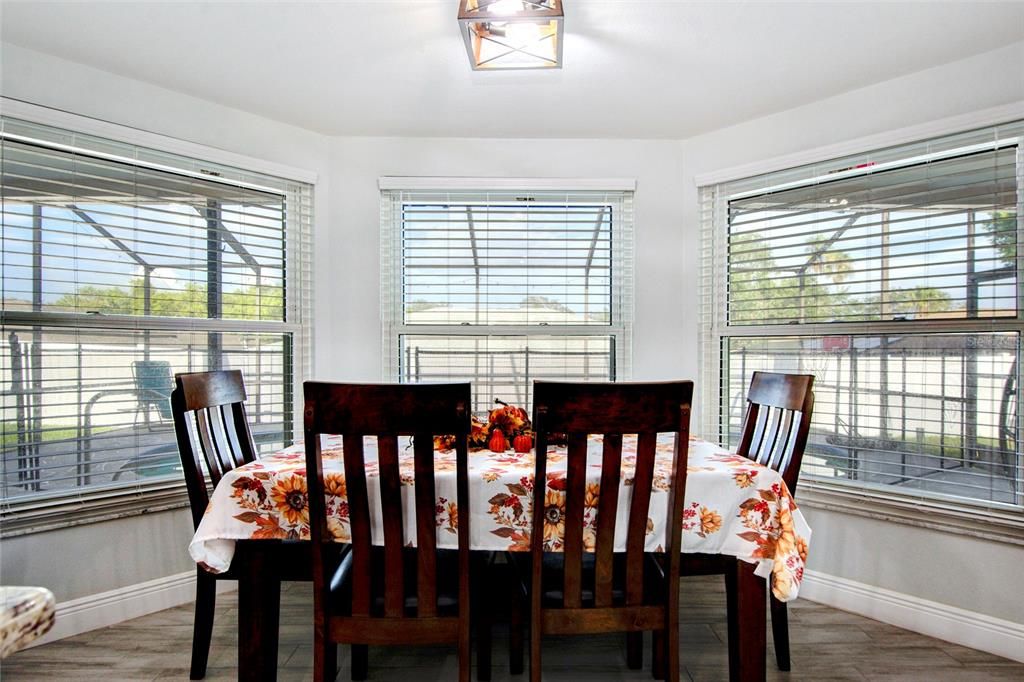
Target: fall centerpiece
[506,427]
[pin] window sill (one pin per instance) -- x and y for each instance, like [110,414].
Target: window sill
[980,523]
[94,507]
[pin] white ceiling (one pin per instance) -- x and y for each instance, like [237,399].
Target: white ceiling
[633,68]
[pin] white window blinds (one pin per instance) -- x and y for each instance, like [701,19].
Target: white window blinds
[932,239]
[119,239]
[895,278]
[501,288]
[121,267]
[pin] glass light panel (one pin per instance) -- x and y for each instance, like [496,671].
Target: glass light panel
[512,34]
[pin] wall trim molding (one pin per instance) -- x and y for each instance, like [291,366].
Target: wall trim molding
[942,621]
[38,113]
[425,183]
[104,609]
[890,138]
[995,525]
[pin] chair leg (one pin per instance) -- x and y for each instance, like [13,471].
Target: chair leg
[483,607]
[535,635]
[324,668]
[634,650]
[483,626]
[360,661]
[331,661]
[465,647]
[515,636]
[658,655]
[202,628]
[483,648]
[732,618]
[780,631]
[670,648]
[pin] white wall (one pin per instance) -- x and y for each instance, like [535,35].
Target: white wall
[350,346]
[86,560]
[50,81]
[963,572]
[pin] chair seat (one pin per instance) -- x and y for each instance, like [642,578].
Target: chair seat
[552,571]
[447,583]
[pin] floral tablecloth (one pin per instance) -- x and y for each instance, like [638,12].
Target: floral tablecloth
[733,506]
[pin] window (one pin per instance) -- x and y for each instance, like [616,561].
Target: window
[895,278]
[501,288]
[121,267]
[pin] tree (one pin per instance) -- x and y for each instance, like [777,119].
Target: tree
[419,305]
[822,298]
[544,302]
[918,300]
[759,291]
[247,303]
[254,303]
[908,303]
[1002,229]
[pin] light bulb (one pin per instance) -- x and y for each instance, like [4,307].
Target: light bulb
[523,34]
[505,7]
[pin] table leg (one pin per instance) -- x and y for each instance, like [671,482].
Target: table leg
[747,629]
[484,607]
[259,606]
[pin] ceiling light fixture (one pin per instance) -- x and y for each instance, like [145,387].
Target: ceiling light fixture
[512,34]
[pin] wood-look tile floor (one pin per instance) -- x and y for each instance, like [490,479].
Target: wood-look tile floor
[827,644]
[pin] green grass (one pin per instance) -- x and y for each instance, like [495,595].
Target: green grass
[933,444]
[52,432]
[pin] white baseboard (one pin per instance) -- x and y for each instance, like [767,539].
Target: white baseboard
[966,628]
[95,611]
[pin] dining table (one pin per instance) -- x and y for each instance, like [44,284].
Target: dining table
[733,506]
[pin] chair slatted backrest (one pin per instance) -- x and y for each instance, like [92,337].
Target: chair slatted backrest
[211,426]
[611,410]
[388,412]
[777,422]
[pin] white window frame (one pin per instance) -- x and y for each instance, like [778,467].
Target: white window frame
[937,514]
[103,503]
[393,325]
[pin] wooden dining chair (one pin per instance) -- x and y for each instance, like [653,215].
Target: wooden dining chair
[773,433]
[212,431]
[394,594]
[595,591]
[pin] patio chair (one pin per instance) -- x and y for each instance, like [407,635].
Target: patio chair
[153,386]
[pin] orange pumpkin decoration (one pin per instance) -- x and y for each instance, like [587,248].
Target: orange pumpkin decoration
[522,443]
[498,442]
